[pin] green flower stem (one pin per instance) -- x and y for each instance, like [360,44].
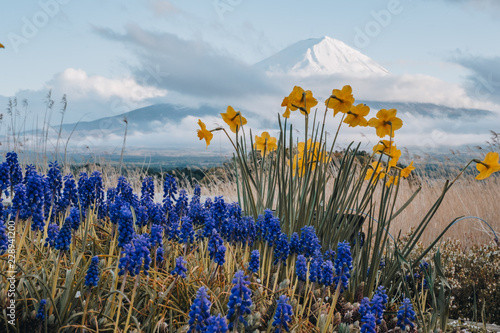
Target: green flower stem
[56,274]
[137,281]
[331,312]
[120,299]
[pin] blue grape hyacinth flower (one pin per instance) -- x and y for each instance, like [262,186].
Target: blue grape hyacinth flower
[156,236]
[125,226]
[254,264]
[200,312]
[220,256]
[239,300]
[368,323]
[301,267]
[327,273]
[216,324]
[159,255]
[282,249]
[63,239]
[92,277]
[309,241]
[295,245]
[4,178]
[283,315]
[343,265]
[52,232]
[16,173]
[364,307]
[40,315]
[187,232]
[315,267]
[180,269]
[70,193]
[382,293]
[406,315]
[136,255]
[378,308]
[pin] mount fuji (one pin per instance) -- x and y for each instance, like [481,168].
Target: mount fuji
[320,56]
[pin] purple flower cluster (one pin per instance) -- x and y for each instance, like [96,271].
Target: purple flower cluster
[15,171]
[372,312]
[63,239]
[40,315]
[239,300]
[125,226]
[343,265]
[301,267]
[406,315]
[200,312]
[4,178]
[254,264]
[52,232]
[283,315]
[92,276]
[136,256]
[180,268]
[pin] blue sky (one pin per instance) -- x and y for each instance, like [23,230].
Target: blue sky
[114,56]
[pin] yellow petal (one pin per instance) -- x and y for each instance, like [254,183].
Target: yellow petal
[396,123]
[406,171]
[391,113]
[492,166]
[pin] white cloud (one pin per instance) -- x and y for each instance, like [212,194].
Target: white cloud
[403,88]
[191,67]
[79,85]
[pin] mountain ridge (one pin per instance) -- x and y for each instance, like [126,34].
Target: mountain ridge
[320,56]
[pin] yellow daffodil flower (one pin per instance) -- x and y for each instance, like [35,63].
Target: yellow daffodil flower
[488,166]
[386,122]
[395,155]
[289,107]
[299,99]
[265,144]
[203,133]
[377,169]
[391,180]
[384,146]
[406,171]
[356,116]
[340,100]
[234,119]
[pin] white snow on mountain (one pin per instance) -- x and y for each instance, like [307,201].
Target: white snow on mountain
[320,56]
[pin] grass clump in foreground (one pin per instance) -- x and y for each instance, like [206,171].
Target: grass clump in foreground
[289,255]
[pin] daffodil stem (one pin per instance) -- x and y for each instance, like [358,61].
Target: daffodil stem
[338,130]
[461,172]
[230,140]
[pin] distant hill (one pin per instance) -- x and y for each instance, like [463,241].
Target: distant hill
[142,119]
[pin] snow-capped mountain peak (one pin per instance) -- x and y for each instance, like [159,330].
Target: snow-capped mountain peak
[320,56]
